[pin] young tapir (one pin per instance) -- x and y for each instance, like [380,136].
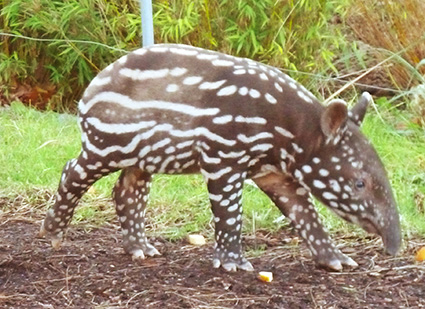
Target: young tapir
[178,109]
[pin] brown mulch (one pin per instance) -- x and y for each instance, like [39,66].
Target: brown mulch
[91,271]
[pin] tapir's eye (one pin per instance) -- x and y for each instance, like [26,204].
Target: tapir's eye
[360,184]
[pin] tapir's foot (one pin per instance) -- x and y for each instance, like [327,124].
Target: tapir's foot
[140,251]
[231,262]
[55,238]
[243,264]
[335,260]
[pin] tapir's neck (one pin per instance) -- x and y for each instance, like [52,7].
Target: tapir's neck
[301,136]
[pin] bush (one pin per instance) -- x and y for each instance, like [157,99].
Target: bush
[290,34]
[61,64]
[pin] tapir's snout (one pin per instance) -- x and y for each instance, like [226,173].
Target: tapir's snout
[390,230]
[392,244]
[387,226]
[391,235]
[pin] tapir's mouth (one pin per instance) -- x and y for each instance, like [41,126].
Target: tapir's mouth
[370,227]
[390,236]
[389,232]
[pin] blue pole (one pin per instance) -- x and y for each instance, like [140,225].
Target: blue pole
[147,22]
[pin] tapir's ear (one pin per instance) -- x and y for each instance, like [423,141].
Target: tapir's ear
[358,111]
[334,119]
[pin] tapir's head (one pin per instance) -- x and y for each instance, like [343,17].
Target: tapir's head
[350,178]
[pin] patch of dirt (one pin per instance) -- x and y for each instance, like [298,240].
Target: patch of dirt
[91,271]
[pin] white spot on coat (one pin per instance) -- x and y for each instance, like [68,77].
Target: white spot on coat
[318,184]
[223,119]
[226,91]
[271,99]
[183,52]
[172,88]
[284,132]
[255,120]
[211,85]
[243,91]
[222,63]
[254,93]
[192,80]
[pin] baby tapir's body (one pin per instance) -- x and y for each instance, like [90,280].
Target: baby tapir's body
[177,109]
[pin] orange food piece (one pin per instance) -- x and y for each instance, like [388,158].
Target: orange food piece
[420,255]
[265,276]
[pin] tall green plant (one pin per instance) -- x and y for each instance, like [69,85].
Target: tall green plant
[284,33]
[60,61]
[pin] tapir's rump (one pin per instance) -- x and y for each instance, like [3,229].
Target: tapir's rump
[177,109]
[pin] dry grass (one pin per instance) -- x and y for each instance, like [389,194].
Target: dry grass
[388,27]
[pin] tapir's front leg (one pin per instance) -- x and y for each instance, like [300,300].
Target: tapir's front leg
[225,192]
[294,202]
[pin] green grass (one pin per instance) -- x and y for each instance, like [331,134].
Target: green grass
[34,146]
[403,153]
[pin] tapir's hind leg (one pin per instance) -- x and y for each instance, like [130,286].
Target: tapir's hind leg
[77,177]
[130,195]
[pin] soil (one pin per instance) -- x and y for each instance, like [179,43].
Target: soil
[92,271]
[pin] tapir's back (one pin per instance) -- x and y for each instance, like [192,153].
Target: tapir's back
[205,83]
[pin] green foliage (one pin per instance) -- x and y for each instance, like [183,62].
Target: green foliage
[401,147]
[66,64]
[177,20]
[284,33]
[11,66]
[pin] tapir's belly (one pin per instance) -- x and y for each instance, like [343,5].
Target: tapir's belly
[168,147]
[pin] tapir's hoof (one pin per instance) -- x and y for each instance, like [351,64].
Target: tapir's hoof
[140,254]
[350,262]
[56,239]
[338,262]
[42,231]
[234,265]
